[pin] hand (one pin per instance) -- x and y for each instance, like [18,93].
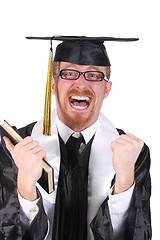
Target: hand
[27,155]
[126,150]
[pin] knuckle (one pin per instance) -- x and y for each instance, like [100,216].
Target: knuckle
[43,154]
[134,142]
[128,133]
[116,140]
[36,142]
[122,135]
[29,138]
[41,150]
[140,141]
[17,148]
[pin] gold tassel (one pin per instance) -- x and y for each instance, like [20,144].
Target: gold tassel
[47,121]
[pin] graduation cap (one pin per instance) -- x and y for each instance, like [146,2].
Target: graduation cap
[82,50]
[79,50]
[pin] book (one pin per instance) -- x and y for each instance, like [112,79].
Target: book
[47,179]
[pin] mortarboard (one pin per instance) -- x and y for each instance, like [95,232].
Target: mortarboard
[82,50]
[79,50]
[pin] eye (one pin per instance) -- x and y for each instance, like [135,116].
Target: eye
[94,76]
[69,74]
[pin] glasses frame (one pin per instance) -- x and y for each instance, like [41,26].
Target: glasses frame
[59,74]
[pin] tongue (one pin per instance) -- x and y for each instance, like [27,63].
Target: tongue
[79,103]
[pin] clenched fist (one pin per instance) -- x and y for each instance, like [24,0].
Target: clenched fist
[28,155]
[126,150]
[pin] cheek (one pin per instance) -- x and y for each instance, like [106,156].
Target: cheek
[61,90]
[100,99]
[64,86]
[100,92]
[100,96]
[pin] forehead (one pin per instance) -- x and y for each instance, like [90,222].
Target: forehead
[67,65]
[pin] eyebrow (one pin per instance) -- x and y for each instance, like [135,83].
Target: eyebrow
[74,66]
[70,65]
[93,67]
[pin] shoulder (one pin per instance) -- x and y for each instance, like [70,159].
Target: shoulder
[26,131]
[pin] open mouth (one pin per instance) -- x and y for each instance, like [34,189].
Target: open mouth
[79,102]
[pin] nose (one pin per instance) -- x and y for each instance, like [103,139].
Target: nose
[81,82]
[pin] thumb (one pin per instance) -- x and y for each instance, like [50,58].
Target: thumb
[9,144]
[112,146]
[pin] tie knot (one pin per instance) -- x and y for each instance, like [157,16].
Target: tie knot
[74,142]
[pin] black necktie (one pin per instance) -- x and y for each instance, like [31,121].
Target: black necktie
[70,220]
[73,145]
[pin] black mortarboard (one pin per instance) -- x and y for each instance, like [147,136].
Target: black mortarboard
[83,50]
[77,50]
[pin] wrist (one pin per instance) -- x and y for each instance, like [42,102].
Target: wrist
[27,190]
[28,194]
[123,183]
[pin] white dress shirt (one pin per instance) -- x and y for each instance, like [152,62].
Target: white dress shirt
[118,204]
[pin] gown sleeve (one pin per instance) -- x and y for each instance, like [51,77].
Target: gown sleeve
[138,221]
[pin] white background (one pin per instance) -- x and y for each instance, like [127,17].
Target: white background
[133,103]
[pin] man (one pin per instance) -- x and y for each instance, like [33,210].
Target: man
[102,189]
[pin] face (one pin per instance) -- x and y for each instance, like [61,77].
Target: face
[79,101]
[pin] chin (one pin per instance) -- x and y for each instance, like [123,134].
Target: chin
[78,120]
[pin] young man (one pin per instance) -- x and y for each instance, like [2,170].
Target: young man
[102,189]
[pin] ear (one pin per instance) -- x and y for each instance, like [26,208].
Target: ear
[107,89]
[53,86]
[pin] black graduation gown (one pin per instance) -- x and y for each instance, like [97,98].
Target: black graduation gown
[138,225]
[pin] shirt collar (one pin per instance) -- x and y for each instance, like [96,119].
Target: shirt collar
[65,132]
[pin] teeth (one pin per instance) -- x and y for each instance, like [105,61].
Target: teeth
[79,107]
[80,98]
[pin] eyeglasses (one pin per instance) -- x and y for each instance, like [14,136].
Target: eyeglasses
[70,74]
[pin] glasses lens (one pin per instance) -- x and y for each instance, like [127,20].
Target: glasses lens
[94,76]
[69,74]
